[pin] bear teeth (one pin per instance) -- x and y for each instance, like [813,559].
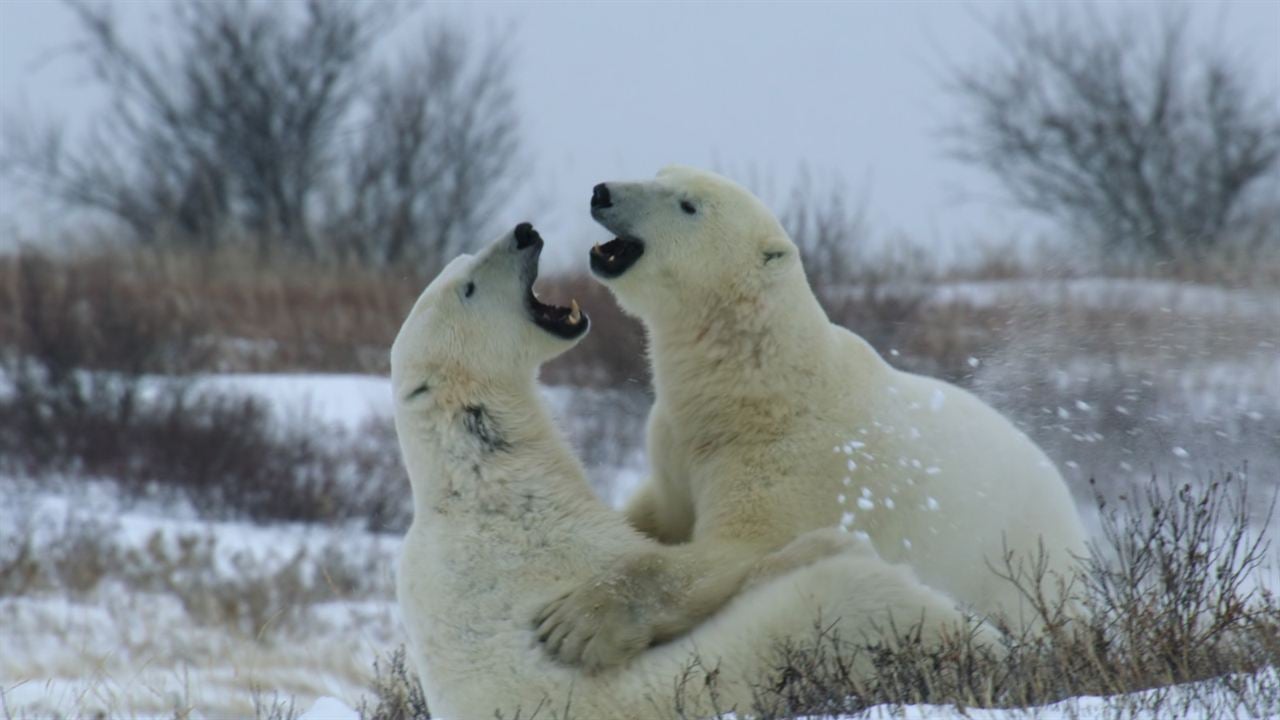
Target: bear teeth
[575,314]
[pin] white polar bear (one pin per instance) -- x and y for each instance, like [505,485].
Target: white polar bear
[504,521]
[770,421]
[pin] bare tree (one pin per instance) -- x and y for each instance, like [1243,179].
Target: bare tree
[830,232]
[438,152]
[1120,131]
[260,120]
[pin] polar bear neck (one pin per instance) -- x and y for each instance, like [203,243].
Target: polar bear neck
[493,454]
[760,340]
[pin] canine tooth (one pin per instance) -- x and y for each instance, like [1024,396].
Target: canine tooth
[575,314]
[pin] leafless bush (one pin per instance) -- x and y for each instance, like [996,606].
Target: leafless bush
[239,130]
[829,229]
[436,158]
[397,693]
[1123,132]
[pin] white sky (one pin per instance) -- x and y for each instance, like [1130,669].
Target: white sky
[851,90]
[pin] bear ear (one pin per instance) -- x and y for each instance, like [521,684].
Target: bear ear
[776,257]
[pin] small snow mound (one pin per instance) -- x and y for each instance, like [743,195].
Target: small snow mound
[327,708]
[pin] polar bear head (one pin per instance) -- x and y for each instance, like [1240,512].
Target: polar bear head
[687,237]
[479,323]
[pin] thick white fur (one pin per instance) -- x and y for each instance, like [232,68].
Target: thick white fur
[767,414]
[504,521]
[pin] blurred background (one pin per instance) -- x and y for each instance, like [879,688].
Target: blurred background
[215,215]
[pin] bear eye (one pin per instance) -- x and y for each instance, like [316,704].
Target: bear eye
[469,289]
[688,207]
[420,390]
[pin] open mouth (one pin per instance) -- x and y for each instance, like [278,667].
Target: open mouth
[564,322]
[616,256]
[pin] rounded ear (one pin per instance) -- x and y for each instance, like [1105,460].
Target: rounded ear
[777,257]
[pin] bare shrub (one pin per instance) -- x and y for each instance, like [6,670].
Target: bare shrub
[397,694]
[830,231]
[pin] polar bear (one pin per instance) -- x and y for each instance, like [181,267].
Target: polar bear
[770,421]
[504,521]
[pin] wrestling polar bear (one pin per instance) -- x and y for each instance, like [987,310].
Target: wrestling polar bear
[504,521]
[770,421]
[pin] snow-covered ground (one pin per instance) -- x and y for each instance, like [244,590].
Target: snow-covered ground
[151,611]
[1197,701]
[145,609]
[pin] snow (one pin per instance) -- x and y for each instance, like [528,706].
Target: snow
[336,399]
[327,708]
[1193,701]
[211,617]
[939,398]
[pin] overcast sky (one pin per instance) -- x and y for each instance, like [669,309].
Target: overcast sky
[616,90]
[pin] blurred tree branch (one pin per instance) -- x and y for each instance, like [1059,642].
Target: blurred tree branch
[239,130]
[1121,132]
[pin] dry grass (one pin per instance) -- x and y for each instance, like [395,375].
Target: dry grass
[81,555]
[166,312]
[184,312]
[397,693]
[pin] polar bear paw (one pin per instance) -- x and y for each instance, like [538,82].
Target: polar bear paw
[593,627]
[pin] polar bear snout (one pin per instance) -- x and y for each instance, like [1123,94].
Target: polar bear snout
[600,197]
[526,236]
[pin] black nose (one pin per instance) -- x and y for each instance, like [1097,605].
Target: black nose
[600,197]
[526,235]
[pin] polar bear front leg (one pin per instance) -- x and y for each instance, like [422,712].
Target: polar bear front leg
[649,512]
[808,549]
[645,599]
